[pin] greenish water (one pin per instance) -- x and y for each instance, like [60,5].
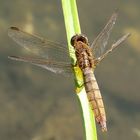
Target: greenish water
[36,104]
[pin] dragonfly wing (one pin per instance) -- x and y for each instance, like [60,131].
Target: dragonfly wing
[99,44]
[58,68]
[114,46]
[39,46]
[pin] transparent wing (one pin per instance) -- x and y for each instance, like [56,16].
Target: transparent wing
[113,47]
[39,46]
[99,44]
[51,55]
[56,67]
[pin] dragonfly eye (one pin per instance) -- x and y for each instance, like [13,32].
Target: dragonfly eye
[79,37]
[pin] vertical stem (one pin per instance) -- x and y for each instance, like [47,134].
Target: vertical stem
[72,27]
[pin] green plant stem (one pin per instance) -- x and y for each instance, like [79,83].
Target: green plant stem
[73,27]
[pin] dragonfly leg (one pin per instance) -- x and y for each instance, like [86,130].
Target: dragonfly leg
[74,64]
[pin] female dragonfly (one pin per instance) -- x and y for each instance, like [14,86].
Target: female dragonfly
[55,57]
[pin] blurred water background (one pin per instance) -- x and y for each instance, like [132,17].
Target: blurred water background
[36,104]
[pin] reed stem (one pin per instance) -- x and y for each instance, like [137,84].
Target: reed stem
[73,27]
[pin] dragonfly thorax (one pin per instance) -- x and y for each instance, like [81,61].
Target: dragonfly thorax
[83,55]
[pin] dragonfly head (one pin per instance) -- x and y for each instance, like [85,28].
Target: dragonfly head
[79,37]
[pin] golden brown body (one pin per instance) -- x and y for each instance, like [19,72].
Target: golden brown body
[86,62]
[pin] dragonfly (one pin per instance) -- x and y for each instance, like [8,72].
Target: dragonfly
[54,57]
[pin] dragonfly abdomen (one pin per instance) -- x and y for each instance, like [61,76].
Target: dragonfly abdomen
[94,97]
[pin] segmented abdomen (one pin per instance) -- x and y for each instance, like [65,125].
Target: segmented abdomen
[94,97]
